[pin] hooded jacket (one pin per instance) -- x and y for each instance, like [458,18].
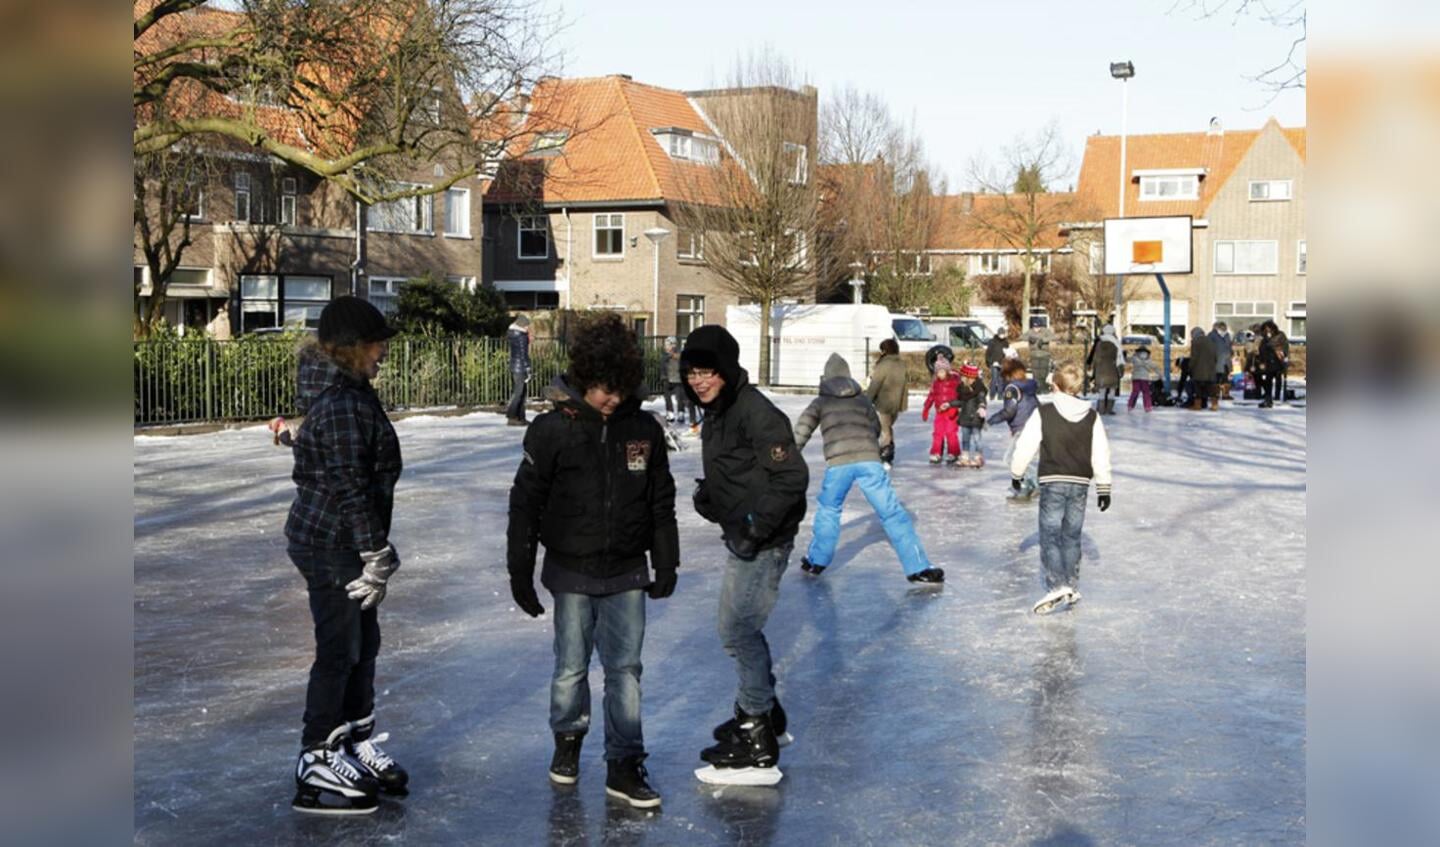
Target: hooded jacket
[972,402]
[944,392]
[519,339]
[1107,358]
[597,493]
[670,359]
[995,350]
[752,468]
[1224,346]
[1071,441]
[888,389]
[1020,399]
[1203,366]
[1143,368]
[845,417]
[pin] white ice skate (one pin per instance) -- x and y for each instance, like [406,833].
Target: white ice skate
[712,775]
[1062,595]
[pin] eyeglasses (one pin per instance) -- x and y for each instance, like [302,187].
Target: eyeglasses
[699,375]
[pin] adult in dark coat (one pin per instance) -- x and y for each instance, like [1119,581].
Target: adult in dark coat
[1202,370]
[889,393]
[1272,358]
[518,338]
[1224,346]
[995,359]
[1107,361]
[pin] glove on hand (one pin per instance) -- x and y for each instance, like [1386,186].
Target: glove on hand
[664,584]
[369,587]
[1014,484]
[523,590]
[744,545]
[701,500]
[1103,501]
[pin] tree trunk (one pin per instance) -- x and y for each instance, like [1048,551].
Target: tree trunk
[764,366]
[1025,303]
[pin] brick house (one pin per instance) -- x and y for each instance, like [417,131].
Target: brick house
[1246,191]
[565,219]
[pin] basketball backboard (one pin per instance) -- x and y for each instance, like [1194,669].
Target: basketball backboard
[1157,245]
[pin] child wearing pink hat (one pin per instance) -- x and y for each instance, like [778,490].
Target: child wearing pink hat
[944,398]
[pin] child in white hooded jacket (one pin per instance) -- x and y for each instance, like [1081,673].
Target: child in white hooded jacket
[1073,448]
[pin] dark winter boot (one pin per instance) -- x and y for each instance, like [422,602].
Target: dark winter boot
[627,779]
[363,745]
[810,567]
[931,575]
[750,757]
[727,731]
[565,764]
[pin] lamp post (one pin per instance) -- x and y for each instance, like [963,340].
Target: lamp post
[857,282]
[657,235]
[1122,71]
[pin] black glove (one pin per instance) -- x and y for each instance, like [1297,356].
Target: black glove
[1103,501]
[744,545]
[701,501]
[1014,484]
[664,584]
[523,590]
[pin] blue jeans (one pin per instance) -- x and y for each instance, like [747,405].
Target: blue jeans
[616,624]
[875,485]
[1062,518]
[516,409]
[347,640]
[747,596]
[970,439]
[997,387]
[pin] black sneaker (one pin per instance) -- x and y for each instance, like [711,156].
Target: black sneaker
[627,779]
[928,575]
[565,765]
[810,567]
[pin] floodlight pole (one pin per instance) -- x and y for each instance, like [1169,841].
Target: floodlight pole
[1165,290]
[657,235]
[1122,71]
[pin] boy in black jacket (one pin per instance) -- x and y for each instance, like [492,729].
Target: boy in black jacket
[754,488]
[594,487]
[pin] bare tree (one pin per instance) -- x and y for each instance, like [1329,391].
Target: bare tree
[756,208]
[1288,15]
[1017,209]
[169,193]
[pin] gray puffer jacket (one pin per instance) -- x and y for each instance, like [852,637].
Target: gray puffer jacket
[845,416]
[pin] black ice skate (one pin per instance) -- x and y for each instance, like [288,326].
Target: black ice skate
[327,782]
[565,765]
[810,567]
[930,575]
[751,757]
[627,779]
[727,731]
[364,749]
[1062,596]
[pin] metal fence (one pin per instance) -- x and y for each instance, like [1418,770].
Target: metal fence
[186,381]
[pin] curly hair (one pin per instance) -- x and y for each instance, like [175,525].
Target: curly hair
[604,353]
[1013,369]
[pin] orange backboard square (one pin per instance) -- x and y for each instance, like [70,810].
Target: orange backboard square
[1147,252]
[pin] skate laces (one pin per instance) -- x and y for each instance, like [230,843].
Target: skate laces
[372,755]
[341,765]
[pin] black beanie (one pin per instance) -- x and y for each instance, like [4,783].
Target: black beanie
[350,320]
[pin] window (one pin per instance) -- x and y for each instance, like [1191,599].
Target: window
[1097,258]
[259,302]
[305,298]
[680,146]
[406,215]
[1300,257]
[797,167]
[610,236]
[288,186]
[528,301]
[242,196]
[689,244]
[686,146]
[384,290]
[457,212]
[190,198]
[465,282]
[1244,314]
[430,106]
[641,326]
[1039,263]
[549,141]
[1176,187]
[1296,314]
[534,237]
[991,263]
[1247,257]
[689,314]
[1262,190]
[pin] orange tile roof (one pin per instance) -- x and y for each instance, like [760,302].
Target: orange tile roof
[610,155]
[954,228]
[1220,154]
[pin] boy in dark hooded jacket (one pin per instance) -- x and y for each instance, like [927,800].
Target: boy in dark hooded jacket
[851,430]
[1021,398]
[754,488]
[595,488]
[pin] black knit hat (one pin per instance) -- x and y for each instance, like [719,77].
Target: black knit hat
[351,320]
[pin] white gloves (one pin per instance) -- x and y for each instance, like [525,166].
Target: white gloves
[369,587]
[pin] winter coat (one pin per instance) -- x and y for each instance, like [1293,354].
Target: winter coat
[1143,369]
[845,417]
[347,461]
[943,397]
[1020,399]
[1108,360]
[995,350]
[597,493]
[1273,355]
[1224,350]
[1202,359]
[519,339]
[888,389]
[670,358]
[1053,447]
[753,471]
[972,403]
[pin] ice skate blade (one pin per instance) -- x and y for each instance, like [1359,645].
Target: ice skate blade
[784,739]
[560,779]
[637,804]
[712,775]
[312,805]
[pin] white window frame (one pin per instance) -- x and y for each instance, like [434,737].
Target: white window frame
[696,245]
[423,210]
[242,195]
[596,228]
[800,173]
[392,284]
[681,146]
[271,305]
[521,229]
[462,280]
[1270,194]
[451,230]
[1253,312]
[1041,262]
[1097,258]
[549,141]
[1150,187]
[291,302]
[1301,257]
[199,206]
[1234,268]
[288,187]
[691,314]
[1000,261]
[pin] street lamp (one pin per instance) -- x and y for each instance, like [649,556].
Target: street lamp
[858,281]
[1122,71]
[657,235]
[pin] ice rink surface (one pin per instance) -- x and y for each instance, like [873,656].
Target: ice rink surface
[1167,708]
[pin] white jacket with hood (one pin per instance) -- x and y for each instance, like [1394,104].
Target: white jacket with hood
[1073,409]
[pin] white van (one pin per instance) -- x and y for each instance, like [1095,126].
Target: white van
[911,333]
[806,334]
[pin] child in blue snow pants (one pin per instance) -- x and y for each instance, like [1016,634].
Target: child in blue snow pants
[875,485]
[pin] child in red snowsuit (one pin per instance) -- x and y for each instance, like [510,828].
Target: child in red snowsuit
[944,398]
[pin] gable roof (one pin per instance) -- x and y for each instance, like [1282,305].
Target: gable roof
[610,153]
[1219,154]
[956,220]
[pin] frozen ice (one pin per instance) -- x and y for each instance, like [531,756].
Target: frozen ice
[1167,708]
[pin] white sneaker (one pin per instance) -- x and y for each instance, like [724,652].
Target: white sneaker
[1055,598]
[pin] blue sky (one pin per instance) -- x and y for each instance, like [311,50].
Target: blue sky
[972,75]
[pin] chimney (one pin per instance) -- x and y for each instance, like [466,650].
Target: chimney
[967,202]
[1215,127]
